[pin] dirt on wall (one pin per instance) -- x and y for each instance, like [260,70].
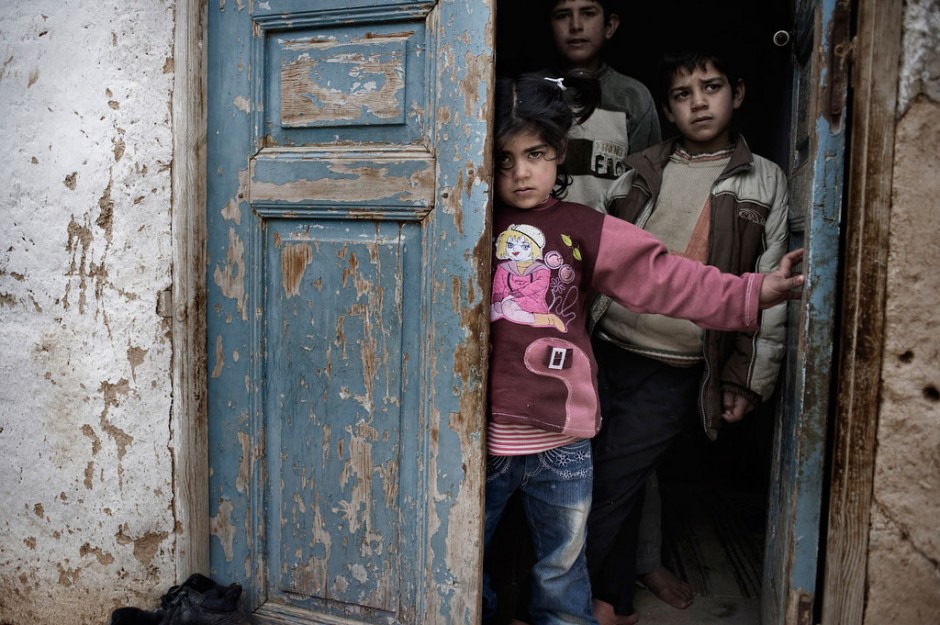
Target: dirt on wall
[86,478]
[904,556]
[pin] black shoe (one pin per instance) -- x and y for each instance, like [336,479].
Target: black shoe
[201,601]
[136,616]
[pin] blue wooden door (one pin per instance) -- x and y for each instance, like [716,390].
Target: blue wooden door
[819,45]
[348,168]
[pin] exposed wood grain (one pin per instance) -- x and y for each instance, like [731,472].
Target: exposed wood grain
[334,83]
[334,177]
[190,442]
[878,49]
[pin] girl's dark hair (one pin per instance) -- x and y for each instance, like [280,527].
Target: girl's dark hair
[540,104]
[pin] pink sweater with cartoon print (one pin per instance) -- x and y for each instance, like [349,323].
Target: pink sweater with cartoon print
[548,261]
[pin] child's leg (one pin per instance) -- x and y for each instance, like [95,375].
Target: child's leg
[616,585]
[557,500]
[649,567]
[503,475]
[645,406]
[650,538]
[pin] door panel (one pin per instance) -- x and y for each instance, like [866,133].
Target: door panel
[816,173]
[348,257]
[341,490]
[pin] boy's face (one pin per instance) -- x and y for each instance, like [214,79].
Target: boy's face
[580,31]
[701,104]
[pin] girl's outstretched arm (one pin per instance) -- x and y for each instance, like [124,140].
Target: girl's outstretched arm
[778,285]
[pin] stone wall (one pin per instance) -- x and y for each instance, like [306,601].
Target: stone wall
[904,550]
[85,359]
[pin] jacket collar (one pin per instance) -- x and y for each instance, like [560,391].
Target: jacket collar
[649,163]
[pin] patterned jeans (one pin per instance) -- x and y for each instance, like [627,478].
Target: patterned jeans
[556,498]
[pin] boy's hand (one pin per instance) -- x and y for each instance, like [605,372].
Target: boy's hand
[779,285]
[734,406]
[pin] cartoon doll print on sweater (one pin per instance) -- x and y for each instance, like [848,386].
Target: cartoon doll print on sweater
[531,286]
[548,371]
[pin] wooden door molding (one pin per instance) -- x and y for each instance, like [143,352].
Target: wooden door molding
[188,315]
[877,51]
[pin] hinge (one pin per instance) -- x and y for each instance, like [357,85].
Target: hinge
[165,303]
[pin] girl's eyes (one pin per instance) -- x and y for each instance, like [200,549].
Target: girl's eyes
[506,162]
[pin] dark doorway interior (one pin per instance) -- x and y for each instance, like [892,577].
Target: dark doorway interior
[723,483]
[647,29]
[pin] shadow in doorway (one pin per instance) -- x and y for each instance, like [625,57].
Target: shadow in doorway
[715,494]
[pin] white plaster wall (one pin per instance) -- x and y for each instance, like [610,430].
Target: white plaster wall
[904,544]
[921,54]
[86,523]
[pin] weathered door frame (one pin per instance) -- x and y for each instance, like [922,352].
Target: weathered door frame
[875,54]
[818,138]
[861,327]
[188,421]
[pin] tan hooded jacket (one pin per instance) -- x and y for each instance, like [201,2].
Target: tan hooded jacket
[749,233]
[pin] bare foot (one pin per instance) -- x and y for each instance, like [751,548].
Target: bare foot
[668,588]
[605,615]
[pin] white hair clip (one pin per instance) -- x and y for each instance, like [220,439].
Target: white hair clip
[559,82]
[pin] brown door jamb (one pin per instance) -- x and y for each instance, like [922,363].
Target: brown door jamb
[877,50]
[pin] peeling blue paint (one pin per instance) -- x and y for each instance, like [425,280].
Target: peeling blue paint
[794,521]
[351,140]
